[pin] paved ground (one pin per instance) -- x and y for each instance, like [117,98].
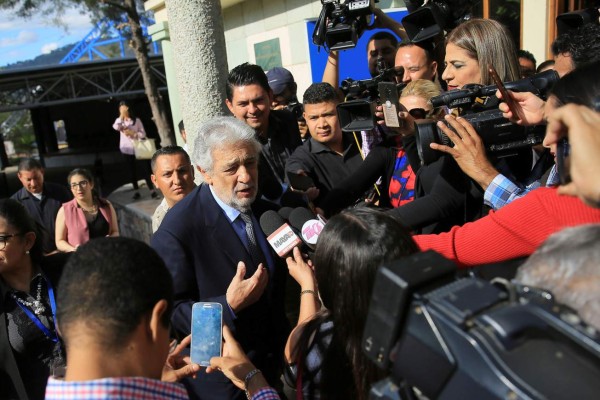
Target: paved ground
[134,215]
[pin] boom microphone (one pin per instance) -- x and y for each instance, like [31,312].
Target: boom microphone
[280,235]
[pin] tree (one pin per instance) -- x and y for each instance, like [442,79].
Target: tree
[112,9]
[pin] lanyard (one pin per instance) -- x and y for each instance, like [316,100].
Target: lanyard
[36,320]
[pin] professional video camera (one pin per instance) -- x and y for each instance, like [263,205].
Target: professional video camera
[499,135]
[573,20]
[340,25]
[468,338]
[426,21]
[358,114]
[296,108]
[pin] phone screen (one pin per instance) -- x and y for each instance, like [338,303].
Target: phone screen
[207,325]
[563,151]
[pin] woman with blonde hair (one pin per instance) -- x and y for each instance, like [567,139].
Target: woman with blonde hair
[425,198]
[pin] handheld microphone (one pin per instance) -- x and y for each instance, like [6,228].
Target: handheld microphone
[285,212]
[280,235]
[307,224]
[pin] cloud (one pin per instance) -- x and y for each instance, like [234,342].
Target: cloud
[23,37]
[49,47]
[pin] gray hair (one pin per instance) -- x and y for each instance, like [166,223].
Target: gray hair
[568,265]
[218,132]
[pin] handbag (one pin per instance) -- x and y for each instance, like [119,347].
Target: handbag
[144,149]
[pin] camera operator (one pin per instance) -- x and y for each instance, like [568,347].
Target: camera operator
[426,198]
[381,44]
[517,229]
[470,155]
[284,87]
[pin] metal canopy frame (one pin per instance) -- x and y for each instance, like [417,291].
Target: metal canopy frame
[69,83]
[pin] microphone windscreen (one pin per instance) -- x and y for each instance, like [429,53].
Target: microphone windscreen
[285,212]
[270,221]
[299,216]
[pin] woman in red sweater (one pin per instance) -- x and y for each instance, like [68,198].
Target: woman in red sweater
[517,229]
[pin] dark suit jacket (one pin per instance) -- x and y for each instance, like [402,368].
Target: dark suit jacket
[44,211]
[11,383]
[201,250]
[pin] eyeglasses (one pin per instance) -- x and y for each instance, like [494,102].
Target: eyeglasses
[4,239]
[82,184]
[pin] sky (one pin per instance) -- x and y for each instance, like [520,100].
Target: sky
[24,39]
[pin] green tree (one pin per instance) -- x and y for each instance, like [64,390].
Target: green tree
[112,9]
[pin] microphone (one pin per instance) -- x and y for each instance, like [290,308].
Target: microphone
[285,212]
[307,224]
[280,235]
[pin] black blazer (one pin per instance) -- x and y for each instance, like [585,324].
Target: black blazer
[11,384]
[201,250]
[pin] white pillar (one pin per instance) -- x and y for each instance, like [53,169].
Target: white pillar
[200,58]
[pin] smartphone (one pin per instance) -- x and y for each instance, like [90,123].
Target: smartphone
[563,151]
[207,332]
[300,182]
[388,95]
[510,102]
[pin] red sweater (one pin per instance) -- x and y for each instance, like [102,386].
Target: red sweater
[516,230]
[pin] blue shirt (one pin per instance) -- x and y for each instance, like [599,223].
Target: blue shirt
[502,190]
[239,226]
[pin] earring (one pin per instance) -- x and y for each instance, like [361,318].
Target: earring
[27,252]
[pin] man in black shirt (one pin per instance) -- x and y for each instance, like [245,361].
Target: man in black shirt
[330,155]
[41,199]
[249,99]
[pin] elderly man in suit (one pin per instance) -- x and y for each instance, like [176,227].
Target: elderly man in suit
[216,252]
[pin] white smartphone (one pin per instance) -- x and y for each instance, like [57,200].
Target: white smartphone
[207,332]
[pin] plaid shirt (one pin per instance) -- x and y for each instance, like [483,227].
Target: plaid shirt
[128,388]
[132,388]
[502,191]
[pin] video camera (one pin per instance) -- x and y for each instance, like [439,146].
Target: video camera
[339,26]
[297,109]
[358,114]
[572,20]
[426,21]
[499,135]
[463,338]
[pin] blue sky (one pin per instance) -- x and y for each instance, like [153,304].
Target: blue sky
[24,39]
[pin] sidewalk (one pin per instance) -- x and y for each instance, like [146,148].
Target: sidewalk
[134,216]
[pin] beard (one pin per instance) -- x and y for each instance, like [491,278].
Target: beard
[242,204]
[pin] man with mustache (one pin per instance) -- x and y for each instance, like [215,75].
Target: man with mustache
[216,252]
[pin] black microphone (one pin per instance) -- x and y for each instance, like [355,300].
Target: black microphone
[309,225]
[279,234]
[285,212]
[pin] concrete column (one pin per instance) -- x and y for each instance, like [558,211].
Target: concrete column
[200,58]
